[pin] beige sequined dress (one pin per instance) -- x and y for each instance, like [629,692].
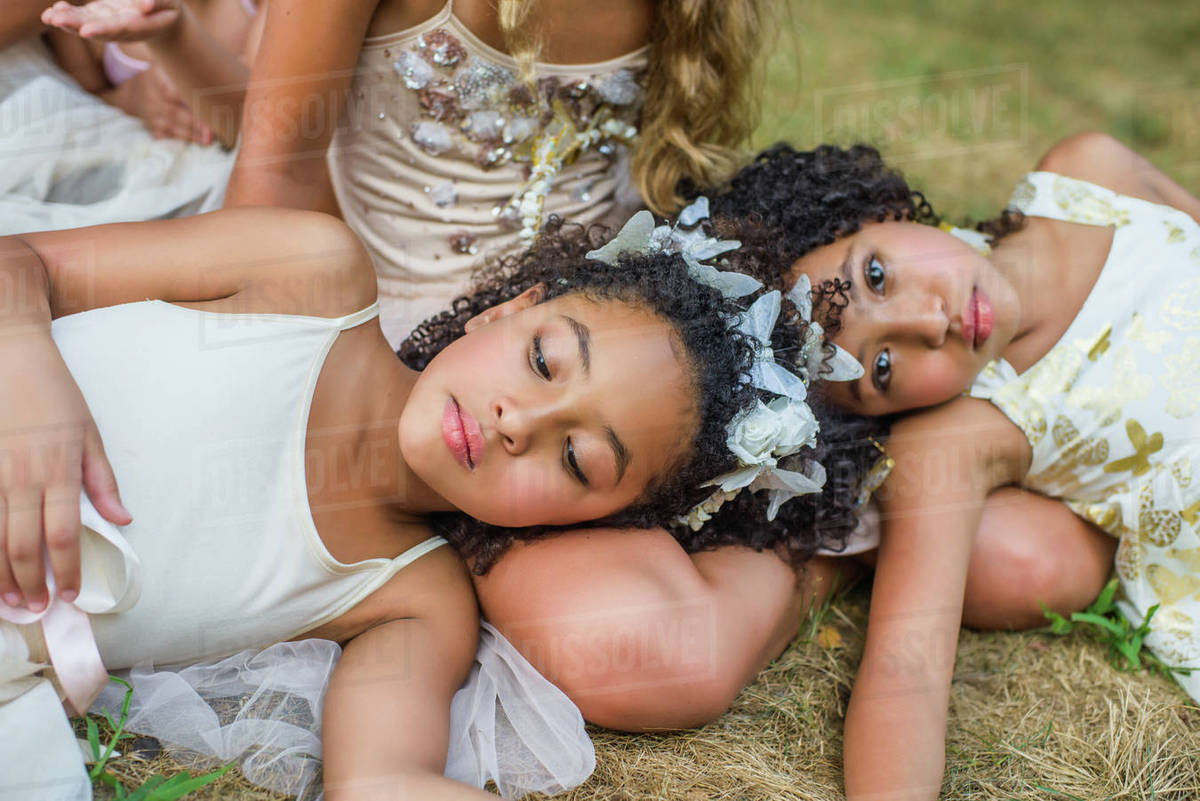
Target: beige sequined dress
[1112,412]
[444,156]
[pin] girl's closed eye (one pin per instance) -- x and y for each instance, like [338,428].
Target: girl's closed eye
[537,362]
[874,273]
[572,463]
[537,359]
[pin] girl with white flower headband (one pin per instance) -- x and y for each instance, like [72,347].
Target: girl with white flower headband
[221,430]
[1051,348]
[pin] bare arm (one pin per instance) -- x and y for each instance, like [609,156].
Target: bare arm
[931,508]
[304,68]
[386,723]
[1103,160]
[262,260]
[251,260]
[20,20]
[77,60]
[639,634]
[210,77]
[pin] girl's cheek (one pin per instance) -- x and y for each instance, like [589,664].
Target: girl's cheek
[940,383]
[525,496]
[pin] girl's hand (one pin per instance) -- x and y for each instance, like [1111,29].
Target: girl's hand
[50,448]
[116,20]
[153,98]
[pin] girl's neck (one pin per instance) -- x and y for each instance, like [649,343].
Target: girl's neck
[352,451]
[1052,269]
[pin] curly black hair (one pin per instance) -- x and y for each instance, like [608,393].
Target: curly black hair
[719,358]
[800,200]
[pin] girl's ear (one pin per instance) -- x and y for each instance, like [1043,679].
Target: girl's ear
[530,297]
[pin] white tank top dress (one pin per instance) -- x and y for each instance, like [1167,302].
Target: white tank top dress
[204,419]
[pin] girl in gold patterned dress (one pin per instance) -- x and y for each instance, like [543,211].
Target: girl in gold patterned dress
[1057,348]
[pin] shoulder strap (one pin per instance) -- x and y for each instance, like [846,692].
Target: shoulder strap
[1057,197]
[420,549]
[357,318]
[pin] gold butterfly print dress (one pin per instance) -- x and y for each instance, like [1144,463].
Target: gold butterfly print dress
[1112,411]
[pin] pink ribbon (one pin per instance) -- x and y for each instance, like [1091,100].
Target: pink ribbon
[71,646]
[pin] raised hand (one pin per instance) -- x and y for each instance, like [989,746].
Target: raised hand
[116,20]
[50,449]
[153,98]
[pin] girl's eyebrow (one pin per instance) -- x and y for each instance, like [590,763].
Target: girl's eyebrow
[583,335]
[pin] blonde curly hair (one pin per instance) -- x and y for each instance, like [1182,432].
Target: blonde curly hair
[701,90]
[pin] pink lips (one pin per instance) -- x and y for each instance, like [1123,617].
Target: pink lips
[982,316]
[462,435]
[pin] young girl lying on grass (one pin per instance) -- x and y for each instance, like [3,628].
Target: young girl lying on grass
[1057,353]
[233,362]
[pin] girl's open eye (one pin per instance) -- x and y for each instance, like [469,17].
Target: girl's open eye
[874,273]
[573,464]
[537,360]
[881,370]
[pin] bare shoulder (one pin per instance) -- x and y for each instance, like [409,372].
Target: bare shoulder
[265,260]
[1101,159]
[303,262]
[435,588]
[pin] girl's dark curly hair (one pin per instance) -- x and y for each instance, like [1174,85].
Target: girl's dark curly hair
[808,198]
[783,205]
[719,359]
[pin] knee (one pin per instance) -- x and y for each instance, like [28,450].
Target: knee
[1017,568]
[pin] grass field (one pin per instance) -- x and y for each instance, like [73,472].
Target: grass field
[964,97]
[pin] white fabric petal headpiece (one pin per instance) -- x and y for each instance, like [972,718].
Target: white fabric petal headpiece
[758,437]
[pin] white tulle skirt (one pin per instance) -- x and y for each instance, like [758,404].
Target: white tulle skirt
[68,159]
[262,709]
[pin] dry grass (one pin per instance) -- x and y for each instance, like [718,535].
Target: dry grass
[1032,716]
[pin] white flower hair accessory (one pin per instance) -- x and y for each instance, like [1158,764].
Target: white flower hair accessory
[843,366]
[762,436]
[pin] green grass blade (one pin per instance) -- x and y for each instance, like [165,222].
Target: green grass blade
[93,738]
[1109,625]
[1104,602]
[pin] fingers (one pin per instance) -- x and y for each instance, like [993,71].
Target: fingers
[100,483]
[61,524]
[202,134]
[115,20]
[63,15]
[25,547]
[9,590]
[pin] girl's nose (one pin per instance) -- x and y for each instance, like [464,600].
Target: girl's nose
[922,318]
[516,423]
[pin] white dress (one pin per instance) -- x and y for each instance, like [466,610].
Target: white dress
[68,159]
[1112,411]
[204,419]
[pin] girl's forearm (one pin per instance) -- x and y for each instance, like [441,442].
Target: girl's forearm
[77,60]
[211,78]
[21,19]
[23,274]
[896,720]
